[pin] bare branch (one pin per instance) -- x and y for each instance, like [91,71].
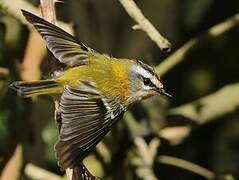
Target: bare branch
[13,168]
[33,56]
[48,10]
[175,135]
[222,102]
[179,55]
[143,158]
[203,110]
[13,7]
[4,72]
[145,25]
[187,165]
[35,172]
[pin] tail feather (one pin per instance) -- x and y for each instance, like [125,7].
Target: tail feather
[36,88]
[82,173]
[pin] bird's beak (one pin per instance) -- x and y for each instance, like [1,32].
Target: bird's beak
[164,93]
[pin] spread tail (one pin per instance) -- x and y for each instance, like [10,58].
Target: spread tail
[36,88]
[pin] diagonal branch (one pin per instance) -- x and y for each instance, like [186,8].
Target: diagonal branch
[14,165]
[35,172]
[13,7]
[33,56]
[214,32]
[145,25]
[207,108]
[187,165]
[203,110]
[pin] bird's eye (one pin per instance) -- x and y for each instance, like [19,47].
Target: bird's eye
[147,81]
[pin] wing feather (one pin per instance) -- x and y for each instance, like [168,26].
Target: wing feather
[87,116]
[62,44]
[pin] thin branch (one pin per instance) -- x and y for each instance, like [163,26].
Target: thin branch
[214,32]
[33,56]
[104,151]
[203,110]
[145,25]
[144,157]
[34,172]
[13,7]
[222,102]
[48,10]
[187,165]
[4,72]
[175,135]
[13,168]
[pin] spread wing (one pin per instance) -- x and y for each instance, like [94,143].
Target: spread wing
[86,118]
[62,45]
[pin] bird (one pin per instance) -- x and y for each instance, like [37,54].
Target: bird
[94,90]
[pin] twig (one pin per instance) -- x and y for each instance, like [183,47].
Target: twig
[104,151]
[4,72]
[222,102]
[175,135]
[145,25]
[187,165]
[203,110]
[14,7]
[34,172]
[214,32]
[144,157]
[13,168]
[34,53]
[48,10]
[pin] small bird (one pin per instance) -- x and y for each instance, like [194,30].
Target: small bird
[94,90]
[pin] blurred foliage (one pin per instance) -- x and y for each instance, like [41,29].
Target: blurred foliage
[105,26]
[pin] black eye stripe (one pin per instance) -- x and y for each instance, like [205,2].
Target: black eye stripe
[147,82]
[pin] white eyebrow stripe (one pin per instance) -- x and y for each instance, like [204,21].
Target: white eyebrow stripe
[143,72]
[155,81]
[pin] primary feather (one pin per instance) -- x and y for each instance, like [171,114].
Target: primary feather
[62,45]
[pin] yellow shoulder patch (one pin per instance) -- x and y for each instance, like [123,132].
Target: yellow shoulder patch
[120,71]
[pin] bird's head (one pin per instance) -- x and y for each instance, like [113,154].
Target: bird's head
[144,82]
